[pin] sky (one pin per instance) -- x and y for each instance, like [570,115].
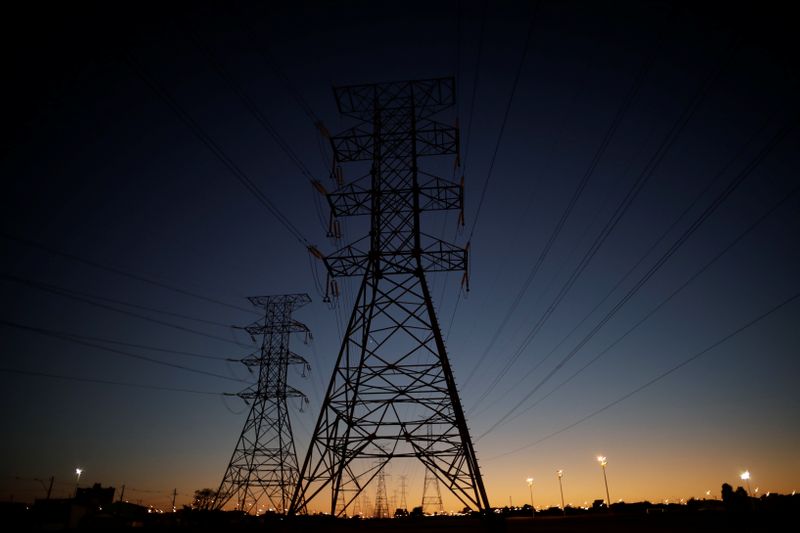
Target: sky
[679,121]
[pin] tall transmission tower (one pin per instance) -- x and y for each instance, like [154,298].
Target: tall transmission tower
[392,382]
[264,462]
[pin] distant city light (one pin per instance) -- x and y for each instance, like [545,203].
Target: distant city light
[745,475]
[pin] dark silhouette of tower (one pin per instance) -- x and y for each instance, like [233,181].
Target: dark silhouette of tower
[392,382]
[264,462]
[381,501]
[431,495]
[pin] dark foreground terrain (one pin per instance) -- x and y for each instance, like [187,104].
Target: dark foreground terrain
[775,513]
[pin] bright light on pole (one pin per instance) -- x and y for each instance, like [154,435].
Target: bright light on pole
[603,462]
[530,487]
[78,472]
[560,474]
[745,476]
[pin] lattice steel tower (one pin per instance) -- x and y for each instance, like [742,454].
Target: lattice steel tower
[392,393]
[264,462]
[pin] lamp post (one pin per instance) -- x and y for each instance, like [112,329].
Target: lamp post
[561,489]
[530,487]
[78,472]
[603,462]
[745,476]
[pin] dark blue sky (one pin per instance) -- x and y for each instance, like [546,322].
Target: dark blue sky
[97,165]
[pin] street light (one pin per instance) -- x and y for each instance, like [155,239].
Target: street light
[561,489]
[530,487]
[603,462]
[745,476]
[78,472]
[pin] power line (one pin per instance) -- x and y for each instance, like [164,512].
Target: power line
[499,136]
[270,61]
[65,337]
[73,296]
[623,207]
[115,270]
[475,82]
[212,145]
[109,382]
[659,377]
[745,146]
[709,210]
[152,348]
[666,300]
[619,115]
[505,119]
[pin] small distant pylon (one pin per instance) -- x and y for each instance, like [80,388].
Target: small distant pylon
[381,503]
[264,462]
[431,495]
[403,503]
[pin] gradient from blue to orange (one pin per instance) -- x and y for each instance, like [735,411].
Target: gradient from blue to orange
[100,167]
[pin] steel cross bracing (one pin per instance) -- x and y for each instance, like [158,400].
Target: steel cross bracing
[263,467]
[392,393]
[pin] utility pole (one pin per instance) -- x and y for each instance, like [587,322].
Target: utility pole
[122,493]
[174,494]
[392,382]
[264,461]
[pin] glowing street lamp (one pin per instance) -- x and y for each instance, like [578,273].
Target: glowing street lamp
[530,487]
[603,462]
[560,474]
[745,476]
[78,472]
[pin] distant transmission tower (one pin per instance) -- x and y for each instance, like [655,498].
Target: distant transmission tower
[381,503]
[264,462]
[392,379]
[431,495]
[403,503]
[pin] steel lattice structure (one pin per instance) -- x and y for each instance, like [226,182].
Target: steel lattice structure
[264,462]
[392,393]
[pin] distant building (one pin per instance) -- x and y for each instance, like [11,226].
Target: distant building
[95,497]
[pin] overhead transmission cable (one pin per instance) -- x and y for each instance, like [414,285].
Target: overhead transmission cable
[509,104]
[216,149]
[475,81]
[676,245]
[647,253]
[661,376]
[251,106]
[67,338]
[517,75]
[622,208]
[80,379]
[630,96]
[119,271]
[663,302]
[73,296]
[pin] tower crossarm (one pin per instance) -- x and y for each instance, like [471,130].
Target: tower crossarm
[432,138]
[428,97]
[435,194]
[435,256]
[288,326]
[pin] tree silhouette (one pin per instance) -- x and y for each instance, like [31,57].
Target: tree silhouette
[204,499]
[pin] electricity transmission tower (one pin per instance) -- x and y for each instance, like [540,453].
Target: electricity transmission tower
[264,462]
[392,394]
[381,503]
[431,495]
